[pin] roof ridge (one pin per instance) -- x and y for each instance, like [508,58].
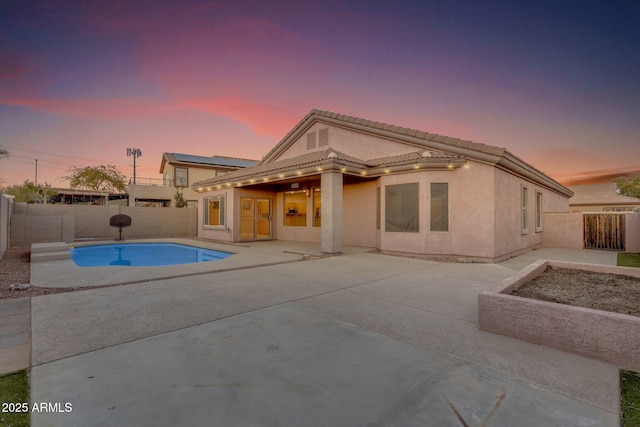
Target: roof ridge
[215,155]
[457,142]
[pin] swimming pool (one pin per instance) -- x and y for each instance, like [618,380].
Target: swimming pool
[142,254]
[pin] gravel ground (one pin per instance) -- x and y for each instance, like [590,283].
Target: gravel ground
[608,292]
[14,270]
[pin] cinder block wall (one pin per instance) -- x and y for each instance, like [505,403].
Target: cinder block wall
[55,223]
[566,230]
[6,205]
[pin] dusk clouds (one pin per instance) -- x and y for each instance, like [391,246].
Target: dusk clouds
[555,84]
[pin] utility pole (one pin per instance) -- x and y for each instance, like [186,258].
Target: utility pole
[135,153]
[36,172]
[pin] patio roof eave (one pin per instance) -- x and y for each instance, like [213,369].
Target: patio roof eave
[346,167]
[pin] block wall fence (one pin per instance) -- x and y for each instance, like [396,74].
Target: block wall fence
[31,223]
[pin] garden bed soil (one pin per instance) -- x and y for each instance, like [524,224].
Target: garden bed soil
[598,291]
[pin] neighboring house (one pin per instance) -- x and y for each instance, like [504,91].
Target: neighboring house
[340,180]
[79,196]
[179,171]
[601,198]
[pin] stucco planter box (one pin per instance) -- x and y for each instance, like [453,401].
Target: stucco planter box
[603,335]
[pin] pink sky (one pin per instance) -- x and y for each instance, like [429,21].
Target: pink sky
[555,85]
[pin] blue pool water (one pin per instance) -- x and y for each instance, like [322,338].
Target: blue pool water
[143,254]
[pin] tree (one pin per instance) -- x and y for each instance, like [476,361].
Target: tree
[629,185]
[99,178]
[3,152]
[31,193]
[179,200]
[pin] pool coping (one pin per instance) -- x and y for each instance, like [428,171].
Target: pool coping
[55,269]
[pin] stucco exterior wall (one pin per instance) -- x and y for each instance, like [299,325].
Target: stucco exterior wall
[632,224]
[353,143]
[510,239]
[563,230]
[471,224]
[359,215]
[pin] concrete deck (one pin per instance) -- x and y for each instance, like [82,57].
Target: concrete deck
[64,273]
[357,339]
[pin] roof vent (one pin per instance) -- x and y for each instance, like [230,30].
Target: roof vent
[324,137]
[311,140]
[332,155]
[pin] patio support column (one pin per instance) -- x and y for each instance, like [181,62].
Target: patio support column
[331,212]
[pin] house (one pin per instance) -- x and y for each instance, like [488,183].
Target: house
[179,171]
[601,198]
[78,196]
[340,180]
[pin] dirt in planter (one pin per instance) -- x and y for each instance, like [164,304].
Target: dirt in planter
[599,291]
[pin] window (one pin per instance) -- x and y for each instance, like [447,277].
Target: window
[538,211]
[524,205]
[181,177]
[295,208]
[401,208]
[439,206]
[317,208]
[214,211]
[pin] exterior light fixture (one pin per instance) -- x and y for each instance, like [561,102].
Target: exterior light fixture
[281,175]
[299,172]
[450,165]
[467,165]
[387,170]
[308,191]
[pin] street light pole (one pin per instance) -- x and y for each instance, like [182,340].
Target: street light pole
[36,173]
[135,153]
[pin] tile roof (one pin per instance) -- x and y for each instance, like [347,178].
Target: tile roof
[329,155]
[214,160]
[373,125]
[455,149]
[599,194]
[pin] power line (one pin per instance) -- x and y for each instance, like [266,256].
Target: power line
[40,153]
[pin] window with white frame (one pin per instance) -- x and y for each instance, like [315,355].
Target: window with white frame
[524,203]
[538,211]
[214,211]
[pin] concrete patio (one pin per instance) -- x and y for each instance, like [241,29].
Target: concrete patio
[357,339]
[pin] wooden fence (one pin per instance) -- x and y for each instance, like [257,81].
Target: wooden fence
[604,231]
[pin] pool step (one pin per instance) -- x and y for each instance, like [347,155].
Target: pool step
[49,251]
